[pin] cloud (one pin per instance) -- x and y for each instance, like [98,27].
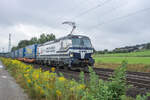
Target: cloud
[28,18]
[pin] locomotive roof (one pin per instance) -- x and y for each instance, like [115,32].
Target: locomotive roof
[70,36]
[62,38]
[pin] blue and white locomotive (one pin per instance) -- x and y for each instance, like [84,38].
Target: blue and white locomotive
[69,51]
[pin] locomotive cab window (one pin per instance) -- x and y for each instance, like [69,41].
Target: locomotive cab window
[81,42]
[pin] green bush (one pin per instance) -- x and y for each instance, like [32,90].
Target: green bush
[144,97]
[106,90]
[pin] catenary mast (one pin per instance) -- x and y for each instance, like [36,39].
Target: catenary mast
[9,45]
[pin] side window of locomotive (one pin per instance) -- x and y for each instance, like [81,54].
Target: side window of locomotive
[69,43]
[65,44]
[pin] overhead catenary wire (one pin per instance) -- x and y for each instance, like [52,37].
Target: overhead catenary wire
[113,9]
[118,18]
[121,17]
[91,9]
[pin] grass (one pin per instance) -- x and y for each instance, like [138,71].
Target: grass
[118,60]
[137,61]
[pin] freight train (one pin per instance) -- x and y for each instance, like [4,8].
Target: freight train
[71,51]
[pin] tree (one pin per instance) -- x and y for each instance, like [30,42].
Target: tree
[44,38]
[23,43]
[34,40]
[106,51]
[50,37]
[148,46]
[14,48]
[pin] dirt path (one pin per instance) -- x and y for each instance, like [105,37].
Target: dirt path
[9,90]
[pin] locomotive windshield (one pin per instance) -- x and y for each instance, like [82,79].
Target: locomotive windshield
[81,42]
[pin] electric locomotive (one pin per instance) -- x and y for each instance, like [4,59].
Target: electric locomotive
[70,51]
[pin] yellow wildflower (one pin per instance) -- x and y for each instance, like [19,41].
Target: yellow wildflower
[53,69]
[36,76]
[40,70]
[38,87]
[29,81]
[81,86]
[28,70]
[62,79]
[26,75]
[42,91]
[49,86]
[58,93]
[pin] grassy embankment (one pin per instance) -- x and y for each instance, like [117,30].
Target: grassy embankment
[137,61]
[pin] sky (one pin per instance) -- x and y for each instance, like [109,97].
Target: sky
[108,23]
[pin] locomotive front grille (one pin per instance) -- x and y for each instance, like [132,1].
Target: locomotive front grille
[78,55]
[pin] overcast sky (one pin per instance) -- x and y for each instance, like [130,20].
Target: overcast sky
[109,23]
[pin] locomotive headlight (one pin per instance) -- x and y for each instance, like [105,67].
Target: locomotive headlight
[71,55]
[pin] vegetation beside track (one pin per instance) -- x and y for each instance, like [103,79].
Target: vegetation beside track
[137,61]
[48,86]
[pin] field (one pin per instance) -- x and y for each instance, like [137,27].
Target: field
[118,60]
[144,53]
[137,61]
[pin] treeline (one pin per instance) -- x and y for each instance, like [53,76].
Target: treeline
[148,46]
[126,49]
[112,51]
[105,51]
[34,40]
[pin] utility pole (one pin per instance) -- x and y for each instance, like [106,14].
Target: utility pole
[9,45]
[3,50]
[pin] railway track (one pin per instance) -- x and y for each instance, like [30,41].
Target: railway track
[138,79]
